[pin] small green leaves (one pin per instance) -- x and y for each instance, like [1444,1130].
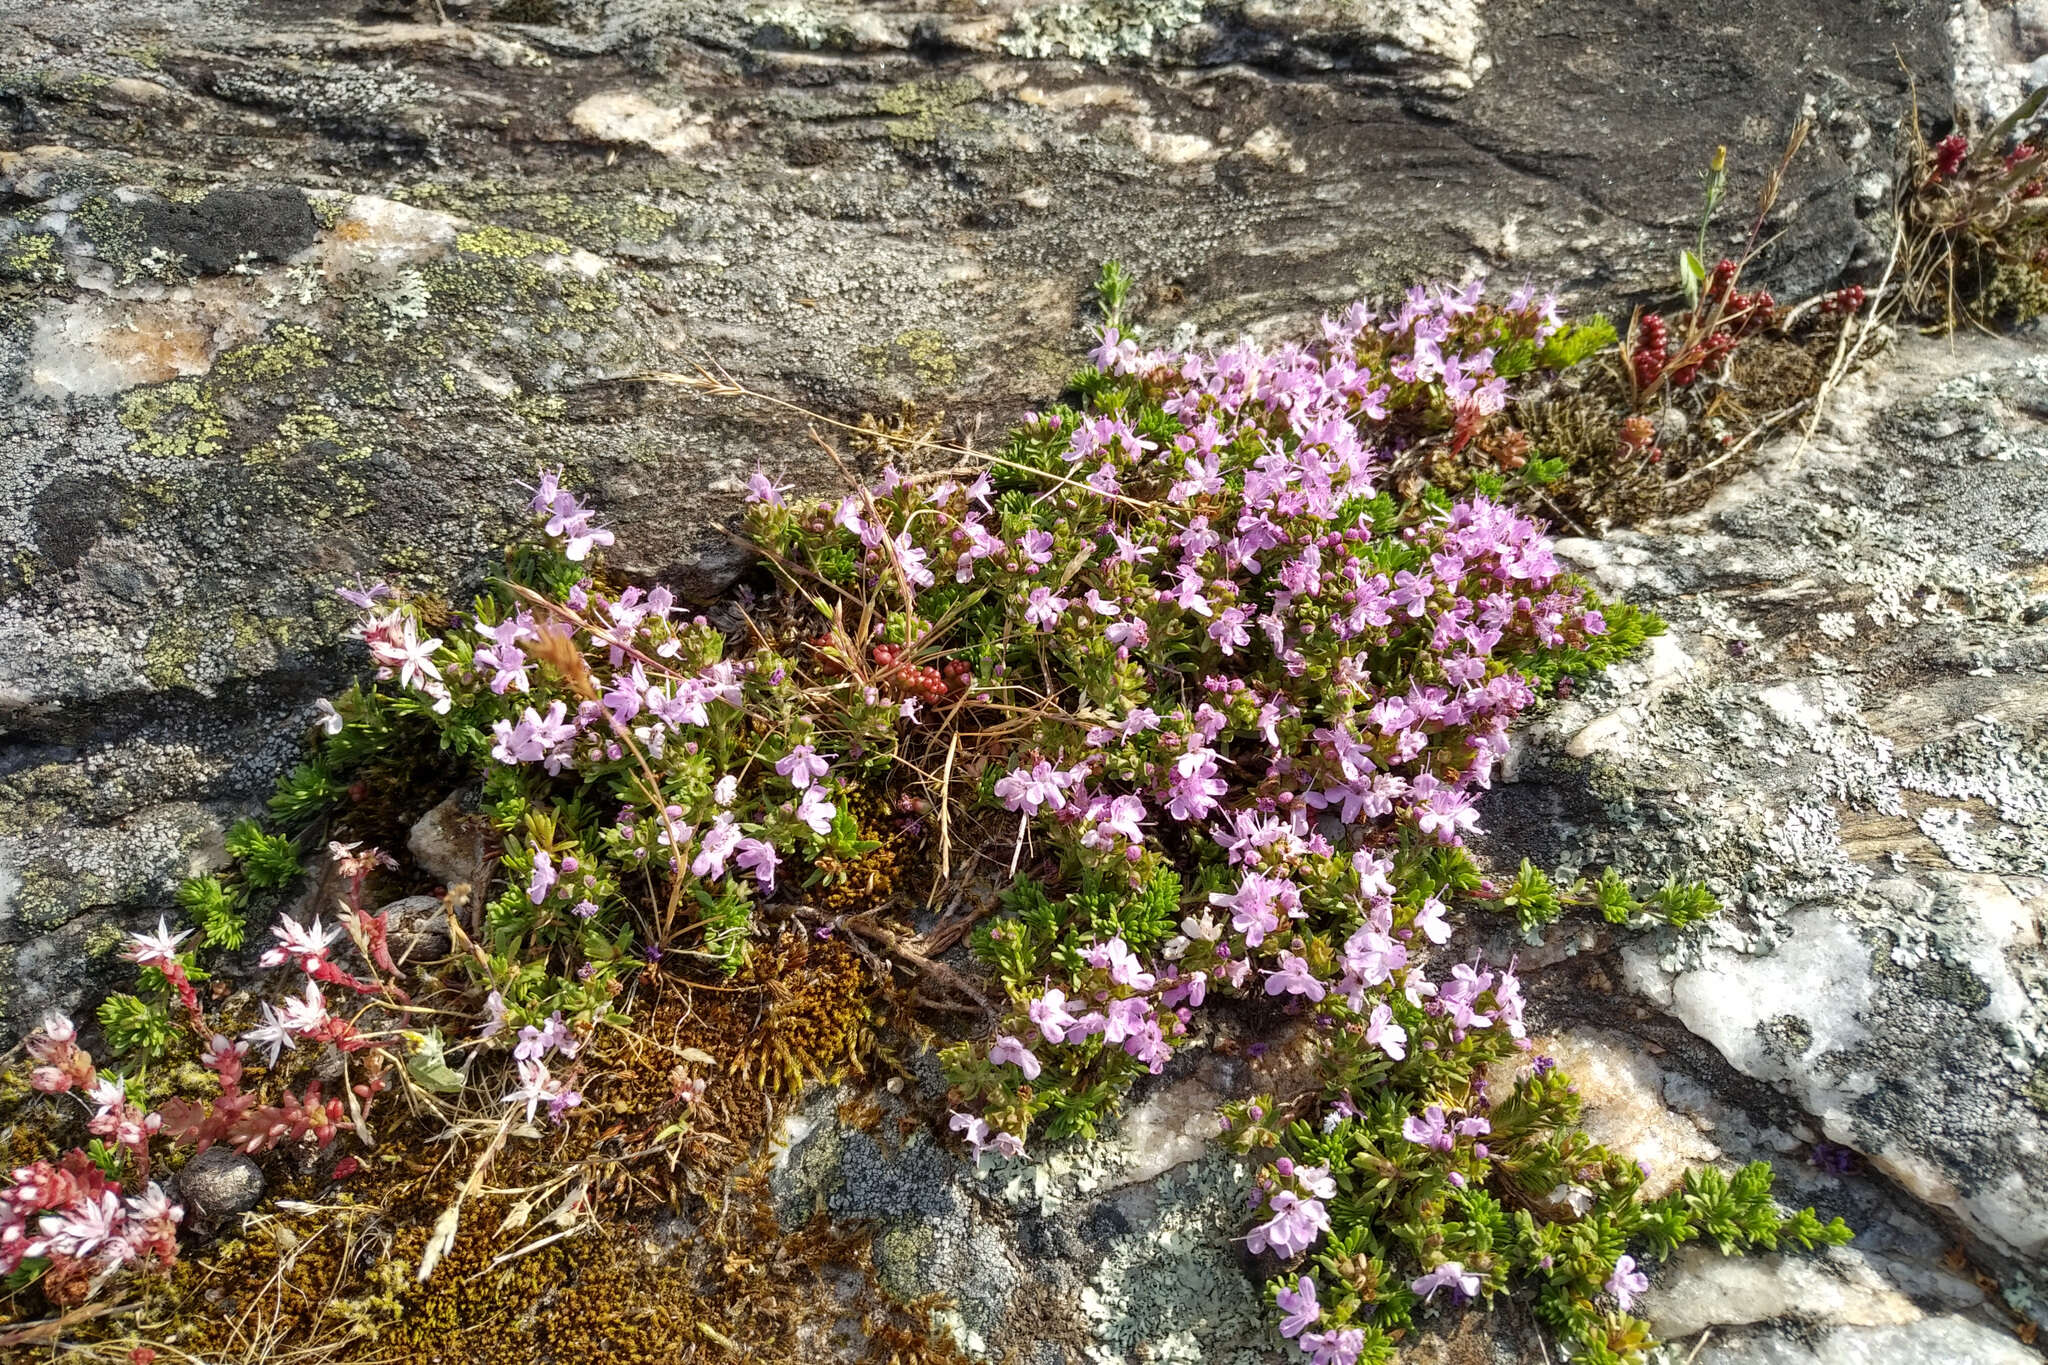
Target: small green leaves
[1613,899]
[1682,903]
[1112,288]
[1576,344]
[269,861]
[1531,898]
[302,794]
[1736,1215]
[137,1026]
[217,908]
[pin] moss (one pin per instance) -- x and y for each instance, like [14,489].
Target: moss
[181,419]
[924,354]
[103,941]
[329,210]
[924,109]
[64,85]
[51,894]
[901,1253]
[2018,291]
[115,231]
[599,222]
[2036,1087]
[148,56]
[1097,30]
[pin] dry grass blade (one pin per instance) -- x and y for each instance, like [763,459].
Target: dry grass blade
[449,1223]
[724,386]
[50,1330]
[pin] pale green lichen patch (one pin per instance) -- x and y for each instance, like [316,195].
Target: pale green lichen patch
[289,348]
[1172,1290]
[923,356]
[1097,30]
[924,109]
[509,244]
[178,420]
[170,654]
[31,256]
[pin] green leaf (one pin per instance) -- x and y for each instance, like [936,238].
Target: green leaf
[1692,276]
[269,861]
[428,1065]
[1577,343]
[135,1025]
[1112,288]
[217,908]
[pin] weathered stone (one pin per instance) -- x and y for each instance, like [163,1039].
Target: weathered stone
[1856,757]
[317,290]
[219,1183]
[449,843]
[324,284]
[417,930]
[1952,1341]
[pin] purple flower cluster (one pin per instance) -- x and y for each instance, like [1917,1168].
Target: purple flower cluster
[1354,683]
[647,687]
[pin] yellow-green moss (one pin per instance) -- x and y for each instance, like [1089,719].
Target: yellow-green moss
[102,941]
[329,210]
[171,652]
[114,230]
[926,354]
[926,108]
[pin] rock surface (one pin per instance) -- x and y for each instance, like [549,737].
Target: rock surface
[1846,733]
[1870,1015]
[219,1183]
[296,292]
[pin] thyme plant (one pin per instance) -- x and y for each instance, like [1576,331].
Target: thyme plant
[1239,697]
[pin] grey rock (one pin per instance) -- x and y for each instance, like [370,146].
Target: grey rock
[449,842]
[219,1183]
[333,282]
[1952,1341]
[1846,735]
[330,287]
[416,929]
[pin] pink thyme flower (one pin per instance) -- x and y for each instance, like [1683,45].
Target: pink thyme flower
[1383,1033]
[1342,1346]
[1293,977]
[1044,608]
[1050,1013]
[758,856]
[762,489]
[1451,1275]
[717,845]
[802,766]
[1008,1050]
[1626,1282]
[1293,1228]
[1300,1306]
